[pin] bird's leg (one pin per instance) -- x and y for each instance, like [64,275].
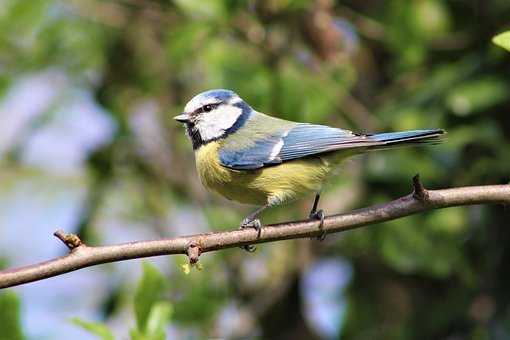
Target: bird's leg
[318,215]
[251,221]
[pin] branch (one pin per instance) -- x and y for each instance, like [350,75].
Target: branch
[81,255]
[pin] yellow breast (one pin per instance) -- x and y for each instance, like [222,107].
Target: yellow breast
[274,185]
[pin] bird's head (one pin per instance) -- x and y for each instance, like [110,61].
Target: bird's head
[212,115]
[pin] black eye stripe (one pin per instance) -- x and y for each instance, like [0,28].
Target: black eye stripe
[206,108]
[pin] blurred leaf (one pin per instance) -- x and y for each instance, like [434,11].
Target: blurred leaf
[398,164]
[150,290]
[484,133]
[95,328]
[222,217]
[136,334]
[10,322]
[22,17]
[158,319]
[156,323]
[214,9]
[502,40]
[477,95]
[403,34]
[432,18]
[427,91]
[74,43]
[233,65]
[5,83]
[425,243]
[300,99]
[183,41]
[451,222]
[411,25]
[202,295]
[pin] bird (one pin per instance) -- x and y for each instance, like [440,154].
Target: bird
[254,158]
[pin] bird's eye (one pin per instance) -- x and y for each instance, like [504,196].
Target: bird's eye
[207,108]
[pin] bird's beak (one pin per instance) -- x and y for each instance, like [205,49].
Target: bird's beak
[182,118]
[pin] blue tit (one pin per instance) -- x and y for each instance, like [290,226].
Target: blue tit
[250,157]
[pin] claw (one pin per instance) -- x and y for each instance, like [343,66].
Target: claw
[251,223]
[319,215]
[250,248]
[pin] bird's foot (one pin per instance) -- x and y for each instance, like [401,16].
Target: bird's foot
[319,215]
[251,223]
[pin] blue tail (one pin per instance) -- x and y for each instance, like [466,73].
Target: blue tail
[407,137]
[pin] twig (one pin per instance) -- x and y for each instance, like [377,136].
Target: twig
[72,241]
[419,191]
[193,252]
[81,256]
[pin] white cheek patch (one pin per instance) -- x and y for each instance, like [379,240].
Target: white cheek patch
[213,124]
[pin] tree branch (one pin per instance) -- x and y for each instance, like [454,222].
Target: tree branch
[81,255]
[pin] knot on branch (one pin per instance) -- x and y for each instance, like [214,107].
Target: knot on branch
[72,241]
[419,192]
[193,252]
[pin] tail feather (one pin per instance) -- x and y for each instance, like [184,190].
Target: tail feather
[412,137]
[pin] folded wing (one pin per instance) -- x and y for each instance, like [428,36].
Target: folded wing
[304,140]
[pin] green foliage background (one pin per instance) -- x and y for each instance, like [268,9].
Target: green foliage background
[397,65]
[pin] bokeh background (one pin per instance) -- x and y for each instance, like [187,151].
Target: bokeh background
[88,90]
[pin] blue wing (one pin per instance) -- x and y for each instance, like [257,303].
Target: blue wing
[302,140]
[308,139]
[255,156]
